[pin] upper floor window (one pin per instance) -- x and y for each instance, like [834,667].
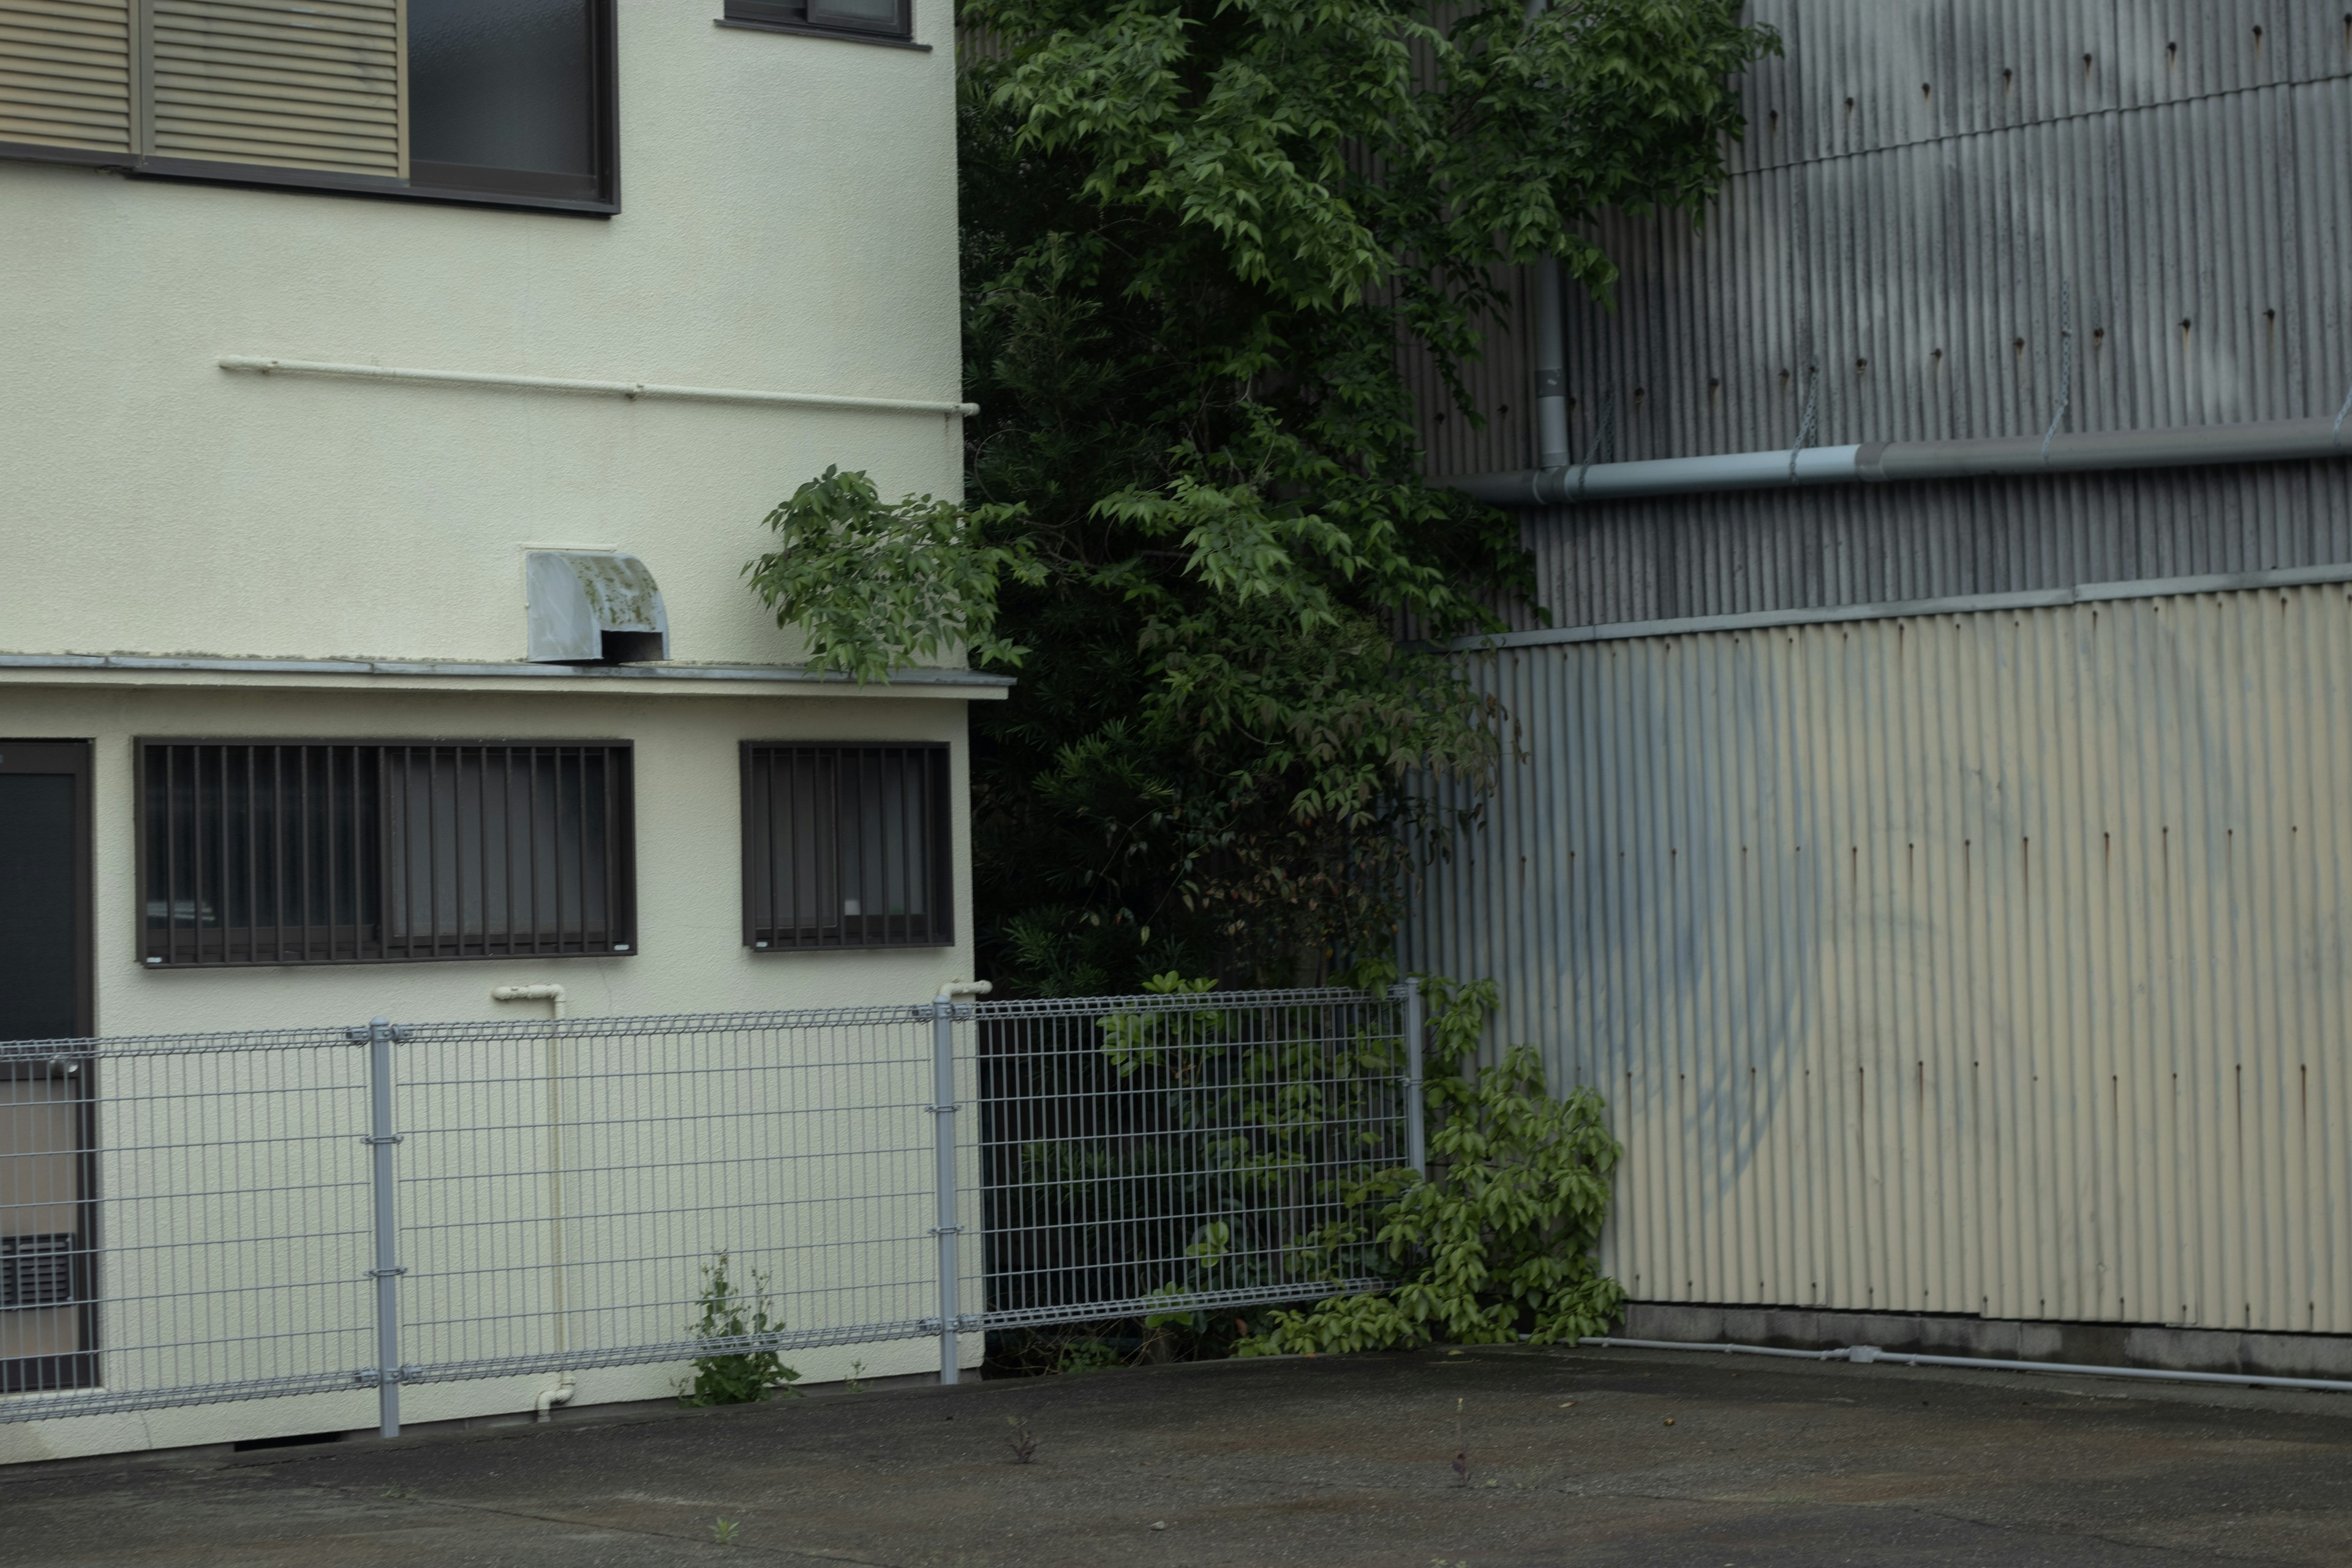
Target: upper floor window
[864,18]
[511,102]
[511,97]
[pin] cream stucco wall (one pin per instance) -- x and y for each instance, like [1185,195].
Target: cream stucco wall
[691,960]
[788,223]
[691,957]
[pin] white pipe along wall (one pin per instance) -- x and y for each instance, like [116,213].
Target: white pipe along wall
[565,1385]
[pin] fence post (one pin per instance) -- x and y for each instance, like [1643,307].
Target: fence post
[1416,1145]
[944,1108]
[387,1271]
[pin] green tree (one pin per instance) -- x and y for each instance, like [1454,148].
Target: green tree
[1197,235]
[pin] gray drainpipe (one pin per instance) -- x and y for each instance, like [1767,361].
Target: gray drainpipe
[1551,350]
[1558,484]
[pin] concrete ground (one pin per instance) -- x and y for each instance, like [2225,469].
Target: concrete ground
[1583,1457]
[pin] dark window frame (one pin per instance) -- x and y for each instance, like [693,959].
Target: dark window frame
[371,938]
[76,1368]
[510,187]
[71,758]
[762,931]
[792,17]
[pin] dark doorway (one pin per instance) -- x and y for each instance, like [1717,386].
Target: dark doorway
[47,1107]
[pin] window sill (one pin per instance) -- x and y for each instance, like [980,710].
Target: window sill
[263,177]
[801,29]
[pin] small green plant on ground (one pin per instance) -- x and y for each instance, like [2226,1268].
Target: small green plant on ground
[722,1531]
[732,1318]
[1088,1355]
[1498,1241]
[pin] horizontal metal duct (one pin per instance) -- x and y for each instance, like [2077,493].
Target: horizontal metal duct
[2274,441]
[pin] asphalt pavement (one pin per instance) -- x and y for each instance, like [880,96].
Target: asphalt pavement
[1478,1459]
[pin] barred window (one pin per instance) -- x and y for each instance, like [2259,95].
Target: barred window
[384,851]
[846,846]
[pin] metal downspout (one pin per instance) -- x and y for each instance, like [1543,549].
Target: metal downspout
[1551,349]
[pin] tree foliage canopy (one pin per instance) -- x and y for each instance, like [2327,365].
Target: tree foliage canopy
[1197,237]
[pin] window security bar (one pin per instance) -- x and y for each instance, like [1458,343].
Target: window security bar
[847,846]
[274,852]
[340,1213]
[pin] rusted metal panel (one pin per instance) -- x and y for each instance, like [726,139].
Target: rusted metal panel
[1988,963]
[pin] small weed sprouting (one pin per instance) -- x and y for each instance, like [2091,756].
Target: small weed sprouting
[737,1377]
[855,1382]
[1087,1355]
[1020,1440]
[722,1531]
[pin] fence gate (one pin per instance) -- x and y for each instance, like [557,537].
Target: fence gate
[330,1210]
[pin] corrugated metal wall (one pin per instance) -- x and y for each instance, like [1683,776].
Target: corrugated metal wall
[1989,963]
[1920,179]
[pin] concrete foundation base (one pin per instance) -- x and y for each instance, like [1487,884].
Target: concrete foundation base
[2089,1344]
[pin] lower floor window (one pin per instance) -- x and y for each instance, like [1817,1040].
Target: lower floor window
[327,852]
[846,846]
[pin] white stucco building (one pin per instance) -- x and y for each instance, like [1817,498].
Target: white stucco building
[326,693]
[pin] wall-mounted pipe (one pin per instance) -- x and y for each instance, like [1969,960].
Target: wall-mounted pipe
[1551,347]
[1881,462]
[543,1409]
[260,364]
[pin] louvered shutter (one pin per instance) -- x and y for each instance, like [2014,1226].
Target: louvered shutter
[64,74]
[302,84]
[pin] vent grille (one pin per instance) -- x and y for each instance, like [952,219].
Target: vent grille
[36,1270]
[64,74]
[314,85]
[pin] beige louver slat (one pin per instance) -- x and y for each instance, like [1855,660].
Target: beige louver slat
[303,84]
[64,73]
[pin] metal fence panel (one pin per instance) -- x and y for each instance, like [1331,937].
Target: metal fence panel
[216,1218]
[563,1184]
[1167,1154]
[199,1213]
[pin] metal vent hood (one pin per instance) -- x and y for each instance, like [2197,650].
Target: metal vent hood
[589,607]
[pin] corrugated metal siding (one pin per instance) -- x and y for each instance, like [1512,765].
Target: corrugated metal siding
[1985,963]
[64,73]
[1871,545]
[311,84]
[2187,185]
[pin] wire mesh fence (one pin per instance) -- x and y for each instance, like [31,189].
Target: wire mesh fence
[217,1217]
[1180,1152]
